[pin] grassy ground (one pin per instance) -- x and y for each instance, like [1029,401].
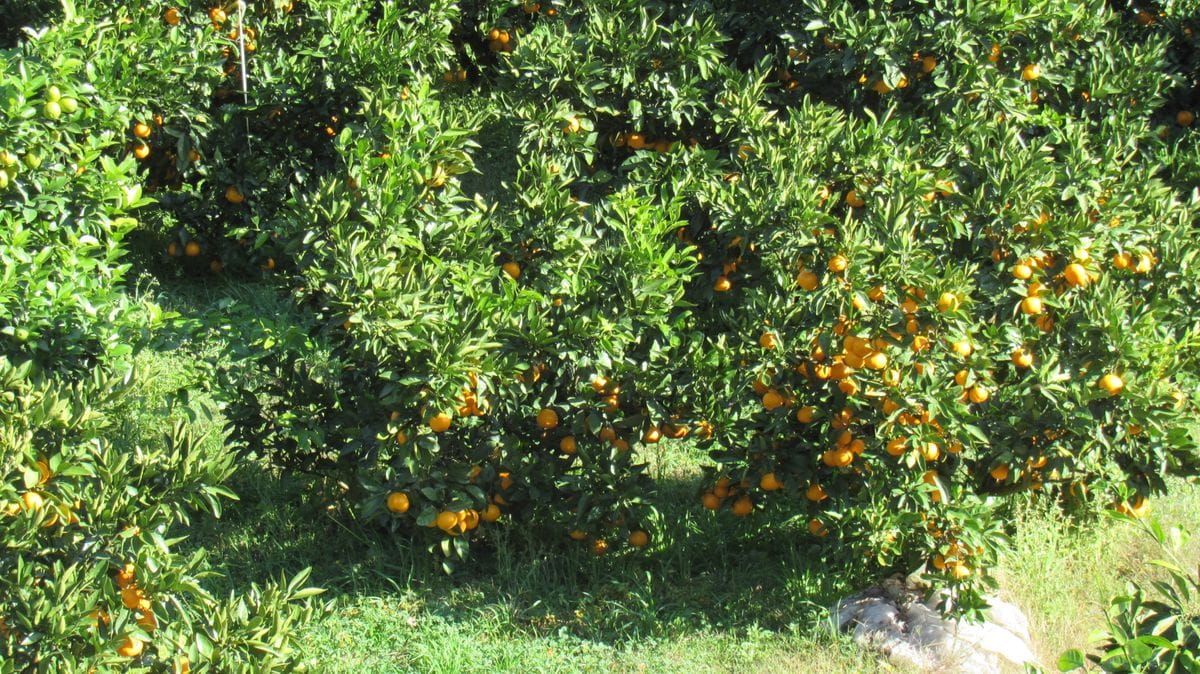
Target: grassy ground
[717,595]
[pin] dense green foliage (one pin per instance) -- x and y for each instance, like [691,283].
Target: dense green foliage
[890,264]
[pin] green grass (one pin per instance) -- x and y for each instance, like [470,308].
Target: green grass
[1064,574]
[712,593]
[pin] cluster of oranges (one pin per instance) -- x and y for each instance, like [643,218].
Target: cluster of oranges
[737,494]
[954,557]
[499,40]
[549,423]
[133,598]
[37,499]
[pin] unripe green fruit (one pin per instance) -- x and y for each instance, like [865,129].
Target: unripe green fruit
[32,161]
[53,94]
[69,105]
[52,110]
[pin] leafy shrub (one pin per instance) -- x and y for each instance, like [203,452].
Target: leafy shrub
[88,514]
[89,577]
[64,224]
[1157,634]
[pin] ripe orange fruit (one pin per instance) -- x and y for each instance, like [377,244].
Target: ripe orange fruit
[930,451]
[171,16]
[807,280]
[547,419]
[512,269]
[837,458]
[896,446]
[1184,118]
[440,422]
[1031,306]
[710,500]
[491,513]
[652,435]
[771,399]
[147,621]
[960,571]
[599,383]
[1000,473]
[131,648]
[722,284]
[1022,271]
[768,341]
[1076,275]
[854,200]
[1022,357]
[567,445]
[192,249]
[815,493]
[217,16]
[838,263]
[140,130]
[1031,72]
[948,302]
[962,347]
[1111,383]
[979,394]
[1122,260]
[639,539]
[876,361]
[131,597]
[125,577]
[770,483]
[397,502]
[1139,508]
[32,500]
[806,414]
[141,151]
[743,506]
[599,547]
[234,195]
[446,520]
[817,528]
[612,403]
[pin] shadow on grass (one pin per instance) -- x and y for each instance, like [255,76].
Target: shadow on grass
[710,571]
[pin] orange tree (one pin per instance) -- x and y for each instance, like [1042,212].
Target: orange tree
[889,263]
[926,283]
[90,511]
